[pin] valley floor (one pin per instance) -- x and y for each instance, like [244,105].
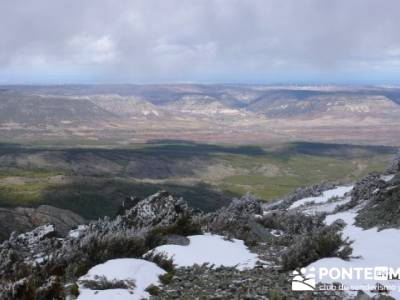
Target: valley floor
[93,182]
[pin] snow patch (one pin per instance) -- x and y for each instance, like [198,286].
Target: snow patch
[212,249]
[339,191]
[372,248]
[142,272]
[328,207]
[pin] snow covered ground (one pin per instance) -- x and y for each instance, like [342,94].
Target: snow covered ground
[374,249]
[339,191]
[371,248]
[328,207]
[142,272]
[212,249]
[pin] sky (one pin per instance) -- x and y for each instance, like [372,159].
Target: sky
[203,41]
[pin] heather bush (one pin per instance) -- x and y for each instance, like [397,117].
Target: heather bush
[102,283]
[321,242]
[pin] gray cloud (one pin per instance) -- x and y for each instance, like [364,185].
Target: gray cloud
[198,40]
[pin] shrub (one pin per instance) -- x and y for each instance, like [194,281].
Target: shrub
[292,223]
[184,226]
[275,294]
[321,242]
[52,289]
[161,260]
[74,290]
[167,277]
[153,290]
[102,283]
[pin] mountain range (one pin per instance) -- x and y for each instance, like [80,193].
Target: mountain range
[227,113]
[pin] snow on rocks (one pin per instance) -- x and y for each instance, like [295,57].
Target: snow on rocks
[76,233]
[212,249]
[339,191]
[371,248]
[143,273]
[39,233]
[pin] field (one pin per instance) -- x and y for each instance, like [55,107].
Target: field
[93,181]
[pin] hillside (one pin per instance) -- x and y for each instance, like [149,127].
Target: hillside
[158,248]
[93,182]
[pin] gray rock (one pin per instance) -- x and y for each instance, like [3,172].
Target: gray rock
[22,219]
[159,209]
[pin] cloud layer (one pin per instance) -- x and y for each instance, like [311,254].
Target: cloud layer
[116,41]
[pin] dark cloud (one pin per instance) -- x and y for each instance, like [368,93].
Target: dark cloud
[199,40]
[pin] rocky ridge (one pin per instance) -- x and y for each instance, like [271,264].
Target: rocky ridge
[37,265]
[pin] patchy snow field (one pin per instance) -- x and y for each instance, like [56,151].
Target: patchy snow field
[328,207]
[339,191]
[212,249]
[142,272]
[374,248]
[371,248]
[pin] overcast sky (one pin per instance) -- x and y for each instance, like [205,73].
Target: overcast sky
[164,41]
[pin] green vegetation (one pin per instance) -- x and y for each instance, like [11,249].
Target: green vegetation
[95,181]
[153,290]
[283,174]
[166,278]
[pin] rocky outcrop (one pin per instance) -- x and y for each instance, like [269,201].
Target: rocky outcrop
[366,187]
[37,264]
[383,206]
[237,220]
[22,219]
[128,235]
[364,191]
[159,209]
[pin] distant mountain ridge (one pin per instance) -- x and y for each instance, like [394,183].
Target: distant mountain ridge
[104,101]
[199,112]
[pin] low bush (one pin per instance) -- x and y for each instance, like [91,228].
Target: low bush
[167,277]
[319,243]
[153,290]
[161,260]
[102,283]
[184,226]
